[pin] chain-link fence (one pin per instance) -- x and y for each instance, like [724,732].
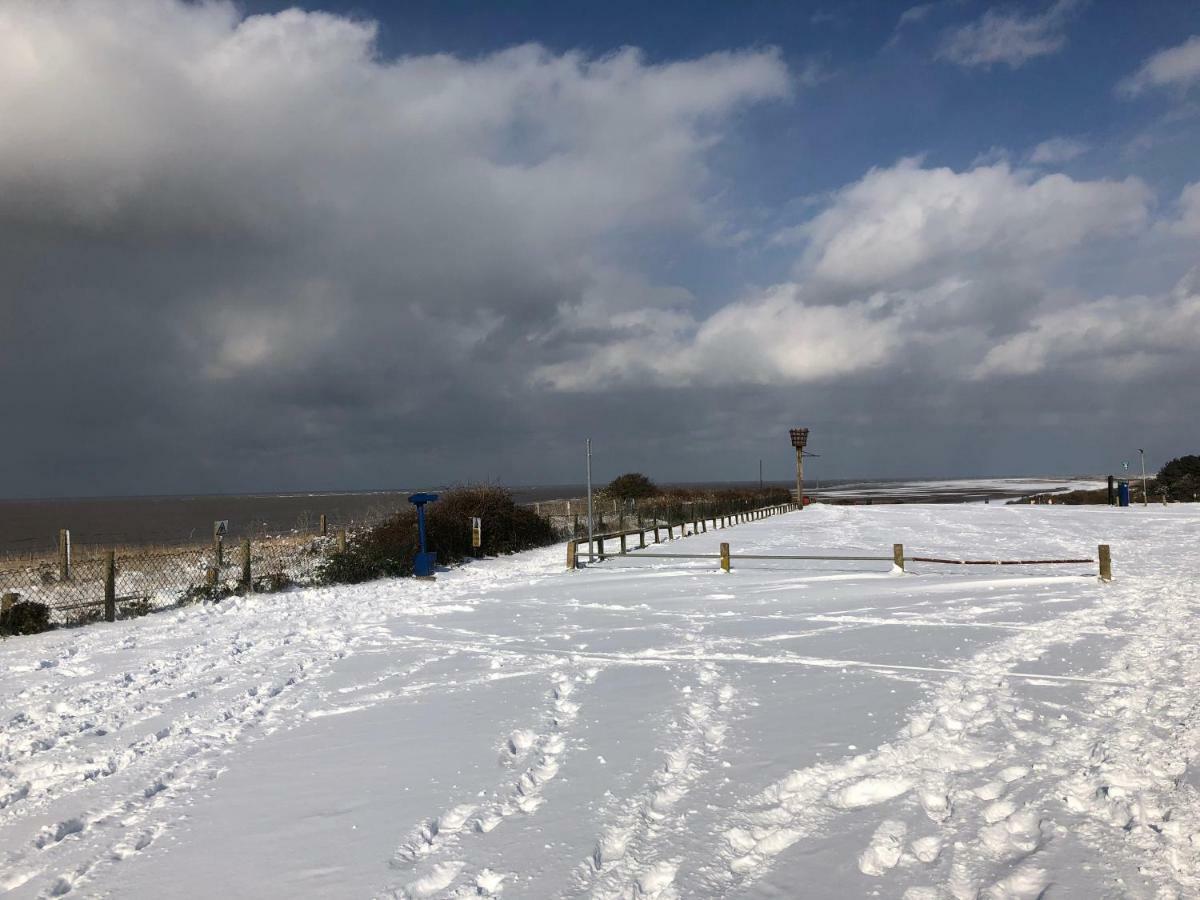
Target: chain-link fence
[91,584]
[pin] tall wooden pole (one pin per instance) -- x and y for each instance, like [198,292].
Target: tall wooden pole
[800,476]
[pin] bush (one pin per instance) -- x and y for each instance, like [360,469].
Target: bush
[25,617]
[631,486]
[388,550]
[1180,478]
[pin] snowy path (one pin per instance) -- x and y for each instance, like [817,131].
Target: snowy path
[643,728]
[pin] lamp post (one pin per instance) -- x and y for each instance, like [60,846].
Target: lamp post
[589,486]
[799,438]
[1145,496]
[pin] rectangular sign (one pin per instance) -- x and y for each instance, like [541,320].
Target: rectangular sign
[476,531]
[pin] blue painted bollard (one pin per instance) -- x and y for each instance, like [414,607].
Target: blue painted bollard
[426,560]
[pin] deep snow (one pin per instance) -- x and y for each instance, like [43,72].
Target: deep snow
[641,728]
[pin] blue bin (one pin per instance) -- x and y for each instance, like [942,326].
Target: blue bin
[1123,493]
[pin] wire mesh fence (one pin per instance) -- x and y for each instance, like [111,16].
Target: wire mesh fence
[143,580]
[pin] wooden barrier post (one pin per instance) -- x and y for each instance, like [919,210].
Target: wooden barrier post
[600,541]
[64,554]
[642,539]
[247,579]
[623,548]
[218,551]
[341,540]
[324,525]
[898,556]
[1105,563]
[657,536]
[110,587]
[572,558]
[725,556]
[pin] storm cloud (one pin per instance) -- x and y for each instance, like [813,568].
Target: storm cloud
[252,253]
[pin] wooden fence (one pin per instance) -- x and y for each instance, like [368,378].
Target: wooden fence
[897,558]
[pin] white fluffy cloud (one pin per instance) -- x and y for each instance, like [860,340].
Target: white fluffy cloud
[775,336]
[1177,66]
[1057,150]
[897,225]
[1112,337]
[1188,221]
[1008,37]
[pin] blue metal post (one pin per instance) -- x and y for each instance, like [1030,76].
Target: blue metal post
[425,561]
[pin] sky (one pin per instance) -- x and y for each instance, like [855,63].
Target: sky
[261,247]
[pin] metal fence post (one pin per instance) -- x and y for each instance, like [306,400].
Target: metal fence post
[64,554]
[247,579]
[110,586]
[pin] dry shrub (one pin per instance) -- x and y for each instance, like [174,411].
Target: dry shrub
[389,549]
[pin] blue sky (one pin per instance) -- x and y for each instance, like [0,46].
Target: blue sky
[375,245]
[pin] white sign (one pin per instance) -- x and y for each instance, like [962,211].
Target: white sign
[476,531]
[220,528]
[1125,466]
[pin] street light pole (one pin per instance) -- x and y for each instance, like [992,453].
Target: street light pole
[589,485]
[1145,496]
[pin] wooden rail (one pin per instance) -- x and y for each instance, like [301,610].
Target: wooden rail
[898,558]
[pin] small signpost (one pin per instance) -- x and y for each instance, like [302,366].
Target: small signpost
[220,529]
[426,560]
[476,532]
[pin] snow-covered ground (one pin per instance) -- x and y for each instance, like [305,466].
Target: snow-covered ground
[957,488]
[641,728]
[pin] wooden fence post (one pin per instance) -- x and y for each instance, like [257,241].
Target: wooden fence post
[623,549]
[642,539]
[725,557]
[64,554]
[324,525]
[1105,563]
[247,579]
[898,556]
[218,552]
[657,536]
[110,587]
[600,541]
[572,550]
[341,540]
